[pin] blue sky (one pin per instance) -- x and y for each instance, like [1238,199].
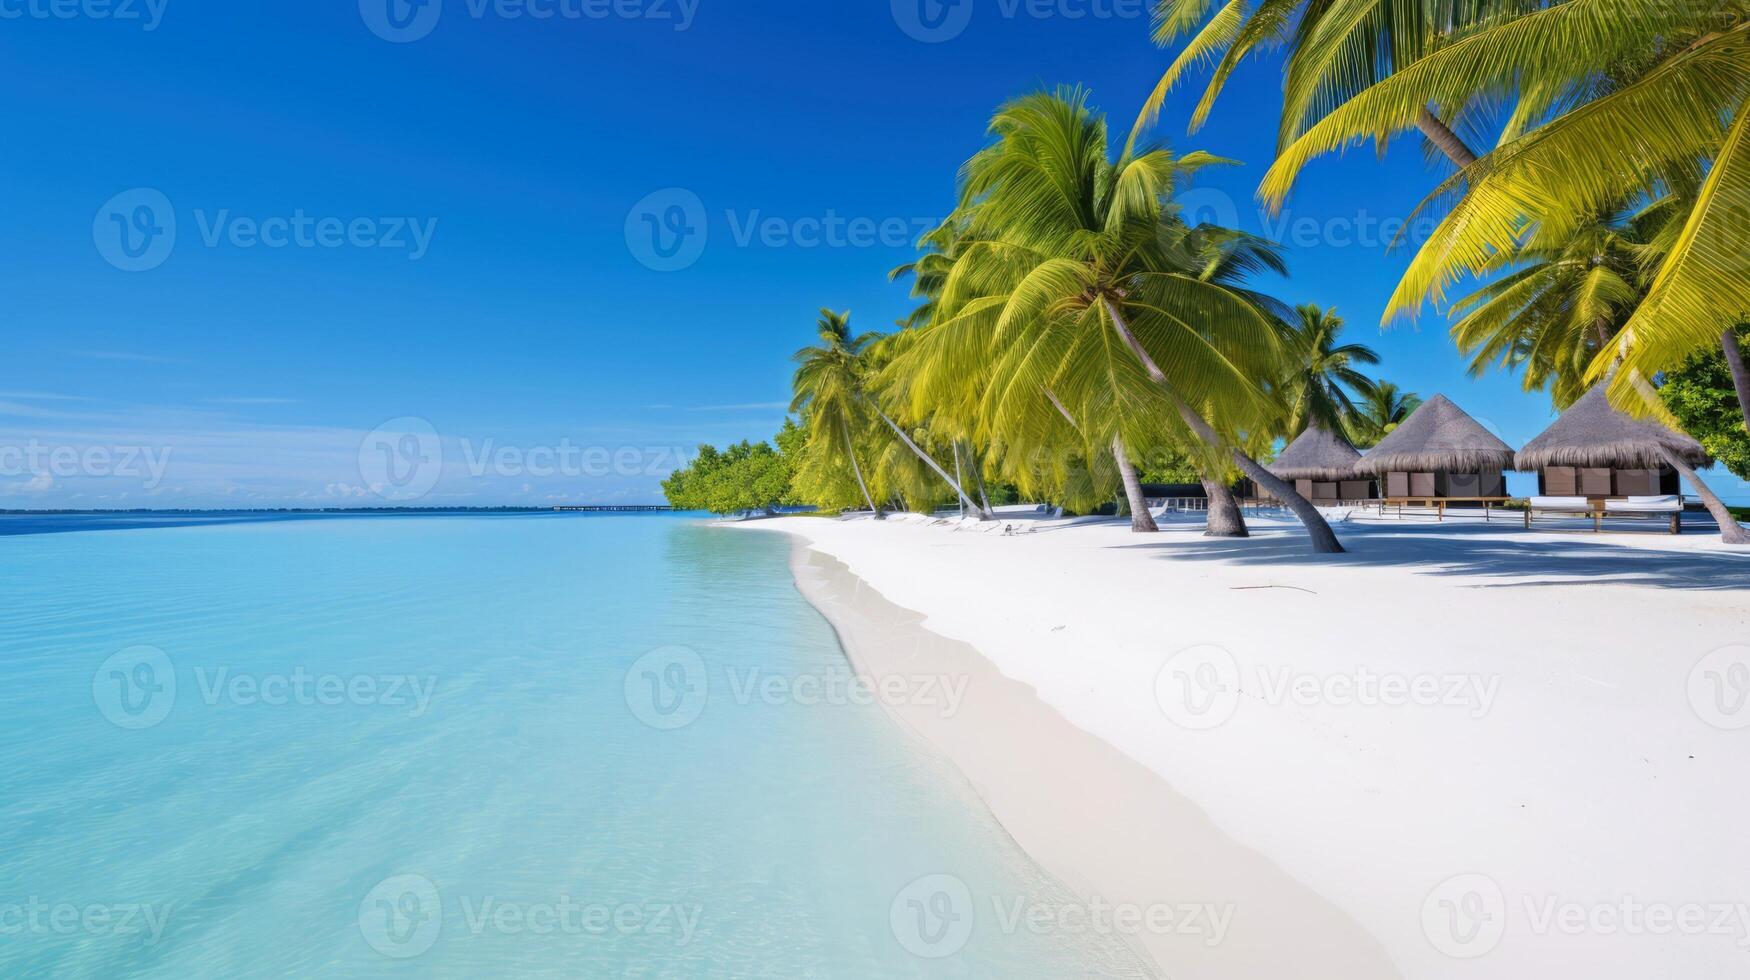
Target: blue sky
[413,259]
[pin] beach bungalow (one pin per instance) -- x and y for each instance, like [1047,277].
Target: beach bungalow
[1440,457]
[1321,465]
[1597,462]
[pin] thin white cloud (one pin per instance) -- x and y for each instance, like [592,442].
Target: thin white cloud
[749,407]
[119,355]
[42,396]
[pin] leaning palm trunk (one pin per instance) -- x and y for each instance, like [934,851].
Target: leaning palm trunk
[1141,521]
[978,479]
[1735,364]
[1324,540]
[851,447]
[1730,530]
[1445,139]
[937,467]
[1225,519]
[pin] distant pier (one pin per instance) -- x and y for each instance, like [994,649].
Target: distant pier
[617,509]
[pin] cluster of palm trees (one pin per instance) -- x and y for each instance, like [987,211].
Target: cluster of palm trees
[1600,155]
[1071,326]
[1325,386]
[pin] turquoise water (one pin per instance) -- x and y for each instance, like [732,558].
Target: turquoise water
[470,747]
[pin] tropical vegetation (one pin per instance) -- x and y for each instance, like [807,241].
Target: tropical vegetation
[744,478]
[1603,216]
[1074,334]
[1701,395]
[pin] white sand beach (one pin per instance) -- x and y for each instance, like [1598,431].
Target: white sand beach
[1458,751]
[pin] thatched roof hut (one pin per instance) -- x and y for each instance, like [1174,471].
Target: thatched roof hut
[1438,437]
[1593,434]
[1317,455]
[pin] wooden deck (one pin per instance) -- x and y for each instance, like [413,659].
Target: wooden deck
[1439,504]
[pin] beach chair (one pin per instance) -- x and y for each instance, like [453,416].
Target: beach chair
[1645,507]
[1666,506]
[1563,506]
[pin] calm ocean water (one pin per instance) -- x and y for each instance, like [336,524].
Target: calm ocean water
[472,747]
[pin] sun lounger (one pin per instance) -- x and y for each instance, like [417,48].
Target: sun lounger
[1565,504]
[1442,505]
[1665,506]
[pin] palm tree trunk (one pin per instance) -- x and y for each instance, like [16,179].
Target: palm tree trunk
[1324,540]
[931,461]
[1141,521]
[1442,136]
[851,447]
[1735,363]
[1730,530]
[1225,518]
[978,478]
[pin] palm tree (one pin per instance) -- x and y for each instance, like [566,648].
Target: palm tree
[1322,374]
[1564,306]
[1030,424]
[829,392]
[1335,49]
[1073,254]
[1558,300]
[1609,99]
[940,426]
[1613,99]
[1383,407]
